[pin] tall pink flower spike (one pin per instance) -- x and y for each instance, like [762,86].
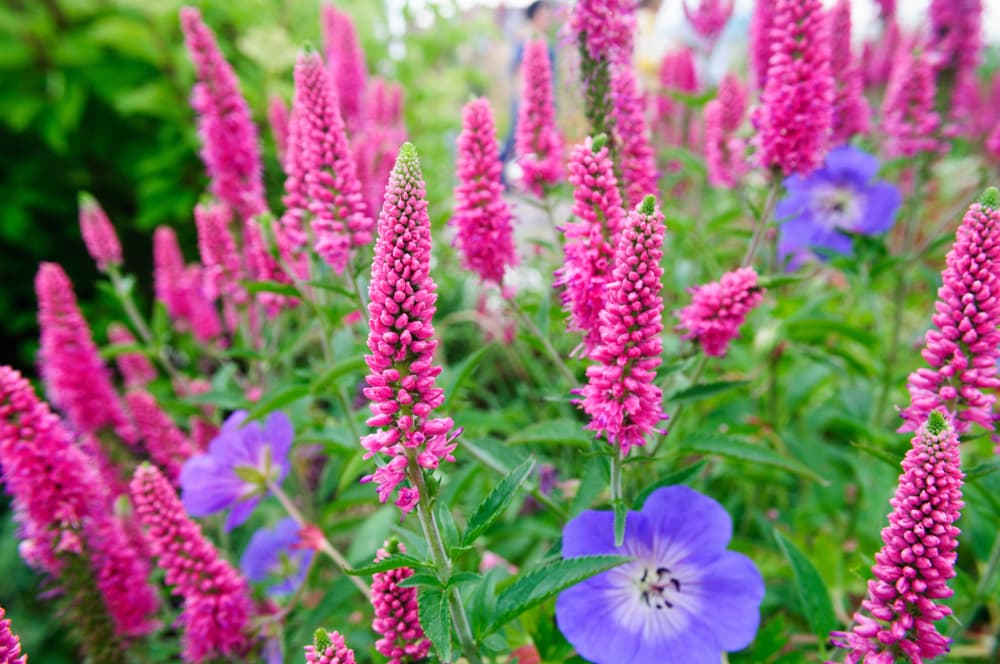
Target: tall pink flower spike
[98,234]
[719,308]
[850,108]
[484,233]
[396,613]
[401,340]
[621,396]
[168,276]
[10,645]
[760,41]
[347,66]
[165,444]
[606,26]
[329,648]
[962,347]
[62,506]
[677,74]
[589,249]
[632,140]
[76,379]
[896,620]
[796,110]
[222,270]
[538,144]
[217,607]
[230,145]
[136,369]
[909,121]
[709,17]
[725,152]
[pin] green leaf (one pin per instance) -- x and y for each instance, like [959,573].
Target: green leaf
[816,329]
[676,477]
[812,591]
[462,578]
[539,584]
[879,453]
[705,390]
[323,381]
[436,621]
[462,374]
[392,562]
[595,479]
[735,448]
[552,432]
[421,580]
[446,522]
[276,400]
[497,501]
[272,287]
[982,470]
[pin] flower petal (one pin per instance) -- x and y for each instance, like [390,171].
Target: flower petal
[685,522]
[589,624]
[695,644]
[590,533]
[884,200]
[733,587]
[279,433]
[206,488]
[241,512]
[850,163]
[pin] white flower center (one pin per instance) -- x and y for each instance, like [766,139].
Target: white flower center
[837,207]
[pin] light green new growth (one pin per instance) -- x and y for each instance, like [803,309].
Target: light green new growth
[936,423]
[990,198]
[599,142]
[648,205]
[321,640]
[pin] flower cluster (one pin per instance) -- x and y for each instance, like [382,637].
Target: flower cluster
[98,234]
[725,152]
[709,17]
[631,133]
[719,308]
[134,367]
[850,109]
[396,614]
[908,117]
[538,143]
[329,648]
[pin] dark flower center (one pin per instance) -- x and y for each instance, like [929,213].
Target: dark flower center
[655,585]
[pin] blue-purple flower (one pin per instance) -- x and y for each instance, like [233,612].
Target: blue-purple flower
[841,197]
[241,464]
[277,554]
[683,597]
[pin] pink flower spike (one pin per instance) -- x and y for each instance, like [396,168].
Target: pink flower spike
[10,645]
[401,338]
[850,108]
[605,28]
[725,152]
[134,366]
[222,270]
[621,396]
[719,308]
[538,144]
[277,117]
[217,607]
[917,558]
[166,445]
[483,222]
[168,276]
[204,318]
[796,110]
[98,234]
[76,379]
[962,347]
[709,18]
[347,66]
[633,145]
[760,41]
[230,146]
[329,648]
[397,613]
[909,121]
[590,242]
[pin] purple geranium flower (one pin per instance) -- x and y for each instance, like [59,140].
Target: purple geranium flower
[277,553]
[241,462]
[684,597]
[839,198]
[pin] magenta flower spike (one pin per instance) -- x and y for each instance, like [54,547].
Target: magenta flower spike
[993,142]
[347,66]
[760,41]
[909,121]
[230,146]
[76,379]
[204,317]
[725,152]
[896,620]
[796,110]
[632,140]
[677,74]
[605,28]
[850,108]
[134,367]
[719,308]
[401,339]
[962,347]
[277,118]
[10,645]
[538,144]
[709,18]
[484,233]
[329,648]
[165,443]
[168,276]
[589,249]
[222,270]
[396,613]
[956,35]
[621,396]
[98,234]
[262,266]
[217,607]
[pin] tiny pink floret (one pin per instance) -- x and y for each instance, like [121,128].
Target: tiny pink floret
[397,618]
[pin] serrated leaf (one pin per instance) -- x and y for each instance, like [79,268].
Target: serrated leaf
[552,432]
[323,381]
[812,591]
[735,448]
[446,522]
[462,578]
[705,390]
[421,580]
[537,585]
[497,501]
[462,374]
[677,477]
[275,400]
[436,621]
[482,605]
[392,562]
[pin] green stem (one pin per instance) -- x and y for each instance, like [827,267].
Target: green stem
[546,344]
[617,497]
[440,558]
[675,415]
[325,546]
[762,221]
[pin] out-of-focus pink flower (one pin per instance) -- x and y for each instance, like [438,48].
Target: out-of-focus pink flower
[962,347]
[918,556]
[222,269]
[401,339]
[539,145]
[98,234]
[397,614]
[204,318]
[261,265]
[230,146]
[168,275]
[633,146]
[760,41]
[484,234]
[165,444]
[993,142]
[605,28]
[909,121]
[677,74]
[277,117]
[135,368]
[10,645]
[621,396]
[795,114]
[850,108]
[347,65]
[709,17]
[879,54]
[719,308]
[956,35]
[725,152]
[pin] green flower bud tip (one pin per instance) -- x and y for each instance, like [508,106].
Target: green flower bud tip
[936,423]
[308,48]
[990,198]
[599,142]
[407,152]
[321,639]
[648,204]
[85,200]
